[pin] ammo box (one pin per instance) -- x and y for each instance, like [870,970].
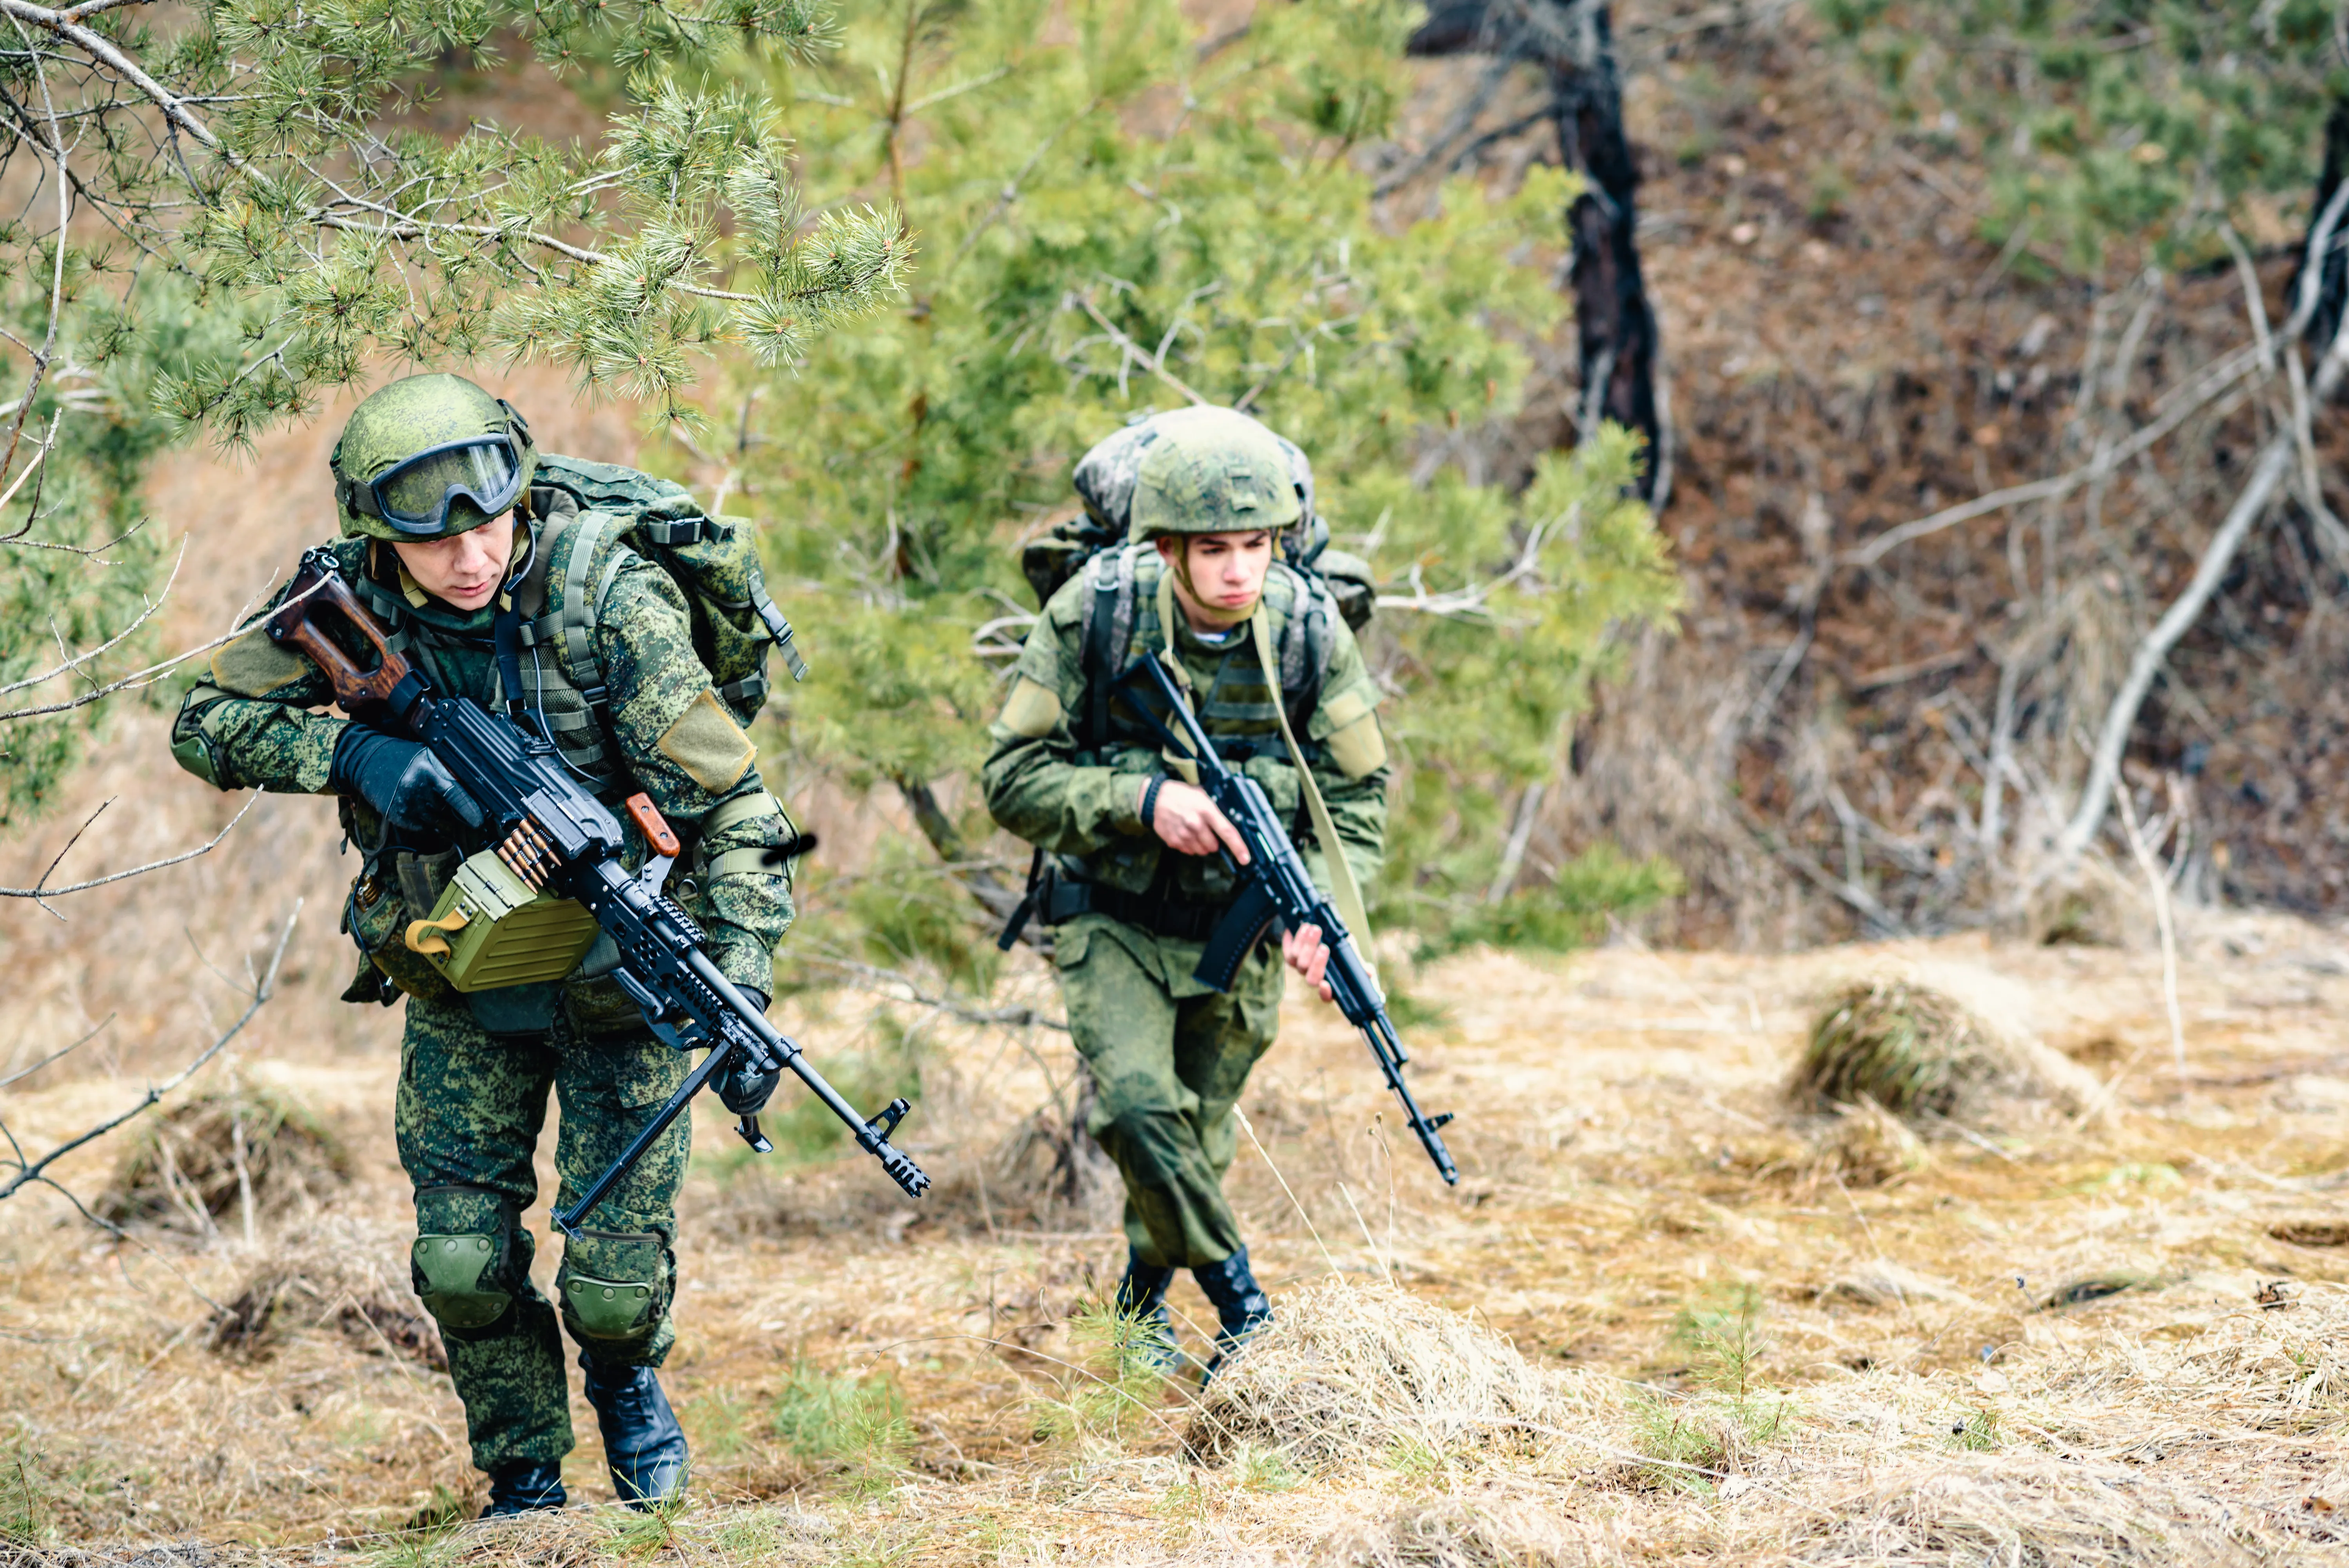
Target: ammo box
[492,929]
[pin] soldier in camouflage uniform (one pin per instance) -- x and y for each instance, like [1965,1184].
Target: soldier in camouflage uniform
[444,535]
[1136,883]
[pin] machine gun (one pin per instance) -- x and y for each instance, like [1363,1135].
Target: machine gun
[558,838]
[1276,886]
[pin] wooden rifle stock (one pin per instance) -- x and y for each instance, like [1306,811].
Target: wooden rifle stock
[320,586]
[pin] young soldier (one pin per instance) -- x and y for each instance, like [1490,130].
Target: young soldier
[1139,883]
[450,545]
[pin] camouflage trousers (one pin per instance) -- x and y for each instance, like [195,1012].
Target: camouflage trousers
[469,1110]
[1168,1058]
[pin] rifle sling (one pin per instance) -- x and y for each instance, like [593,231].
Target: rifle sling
[1342,891]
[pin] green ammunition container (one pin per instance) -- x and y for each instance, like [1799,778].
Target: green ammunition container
[492,929]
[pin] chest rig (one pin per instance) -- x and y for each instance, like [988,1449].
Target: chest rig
[1121,622]
[554,674]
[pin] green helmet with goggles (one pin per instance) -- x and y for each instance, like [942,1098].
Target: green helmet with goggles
[427,456]
[1213,470]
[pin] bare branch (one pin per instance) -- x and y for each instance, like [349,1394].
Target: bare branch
[147,676]
[2204,389]
[2105,765]
[32,1171]
[74,661]
[41,891]
[899,988]
[1134,352]
[61,1052]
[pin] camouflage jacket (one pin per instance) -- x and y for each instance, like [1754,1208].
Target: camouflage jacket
[1083,803]
[253,722]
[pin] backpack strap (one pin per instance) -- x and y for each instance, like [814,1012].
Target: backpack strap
[1108,627]
[781,630]
[1305,643]
[576,626]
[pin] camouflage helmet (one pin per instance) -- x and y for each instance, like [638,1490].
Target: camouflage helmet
[480,451]
[1212,470]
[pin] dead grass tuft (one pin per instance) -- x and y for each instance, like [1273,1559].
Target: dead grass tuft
[1920,1053]
[1351,1372]
[1866,1146]
[337,1276]
[211,1155]
[2311,1231]
[1452,1534]
[2042,1510]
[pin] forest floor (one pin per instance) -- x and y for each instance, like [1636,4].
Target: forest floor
[1743,1338]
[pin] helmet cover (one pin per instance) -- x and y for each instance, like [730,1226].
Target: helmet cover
[418,414]
[1213,470]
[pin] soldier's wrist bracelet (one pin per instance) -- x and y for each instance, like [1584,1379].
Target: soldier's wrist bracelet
[1150,801]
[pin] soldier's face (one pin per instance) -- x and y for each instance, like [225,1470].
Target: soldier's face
[464,572]
[1223,573]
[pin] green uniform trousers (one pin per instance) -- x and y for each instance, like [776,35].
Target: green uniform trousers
[1168,1058]
[469,1113]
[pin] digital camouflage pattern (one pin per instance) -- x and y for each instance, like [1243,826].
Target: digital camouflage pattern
[476,1072]
[468,1116]
[1086,805]
[247,725]
[1168,1054]
[1169,1059]
[1214,471]
[1106,475]
[406,417]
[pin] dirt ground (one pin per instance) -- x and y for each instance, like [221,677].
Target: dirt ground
[2115,1337]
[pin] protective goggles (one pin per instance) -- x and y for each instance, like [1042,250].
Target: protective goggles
[414,496]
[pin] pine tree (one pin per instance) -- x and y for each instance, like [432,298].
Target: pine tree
[1117,214]
[227,222]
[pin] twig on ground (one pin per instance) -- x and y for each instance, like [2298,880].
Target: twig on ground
[2142,849]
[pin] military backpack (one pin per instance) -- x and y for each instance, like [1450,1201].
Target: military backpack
[1093,544]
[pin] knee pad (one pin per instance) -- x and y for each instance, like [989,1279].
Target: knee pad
[613,1286]
[463,1258]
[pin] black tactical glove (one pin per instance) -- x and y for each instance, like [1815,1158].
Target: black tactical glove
[406,784]
[740,1090]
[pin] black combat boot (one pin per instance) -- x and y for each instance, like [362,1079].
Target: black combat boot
[1141,1299]
[642,1441]
[1239,1302]
[524,1486]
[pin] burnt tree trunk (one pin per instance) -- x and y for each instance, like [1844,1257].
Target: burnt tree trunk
[1572,41]
[2332,279]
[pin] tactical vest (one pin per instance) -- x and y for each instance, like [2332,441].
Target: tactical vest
[1120,623]
[575,558]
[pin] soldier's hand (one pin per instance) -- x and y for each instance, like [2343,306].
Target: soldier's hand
[1188,822]
[1306,953]
[409,788]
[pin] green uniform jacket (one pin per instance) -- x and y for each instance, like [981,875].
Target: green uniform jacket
[1082,803]
[255,722]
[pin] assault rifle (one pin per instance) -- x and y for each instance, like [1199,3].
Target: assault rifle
[555,835]
[1276,887]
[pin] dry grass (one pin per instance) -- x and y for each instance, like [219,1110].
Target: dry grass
[220,1154]
[339,1274]
[1352,1373]
[1668,1319]
[1901,1045]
